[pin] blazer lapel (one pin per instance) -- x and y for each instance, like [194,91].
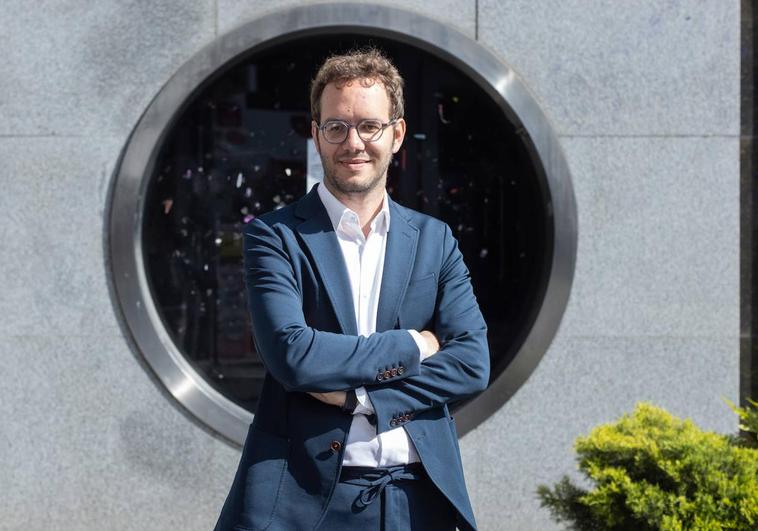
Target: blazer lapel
[319,236]
[399,258]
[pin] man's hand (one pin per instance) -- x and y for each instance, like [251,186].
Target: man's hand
[333,398]
[337,398]
[432,344]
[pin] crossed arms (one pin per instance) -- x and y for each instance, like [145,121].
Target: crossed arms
[304,359]
[428,346]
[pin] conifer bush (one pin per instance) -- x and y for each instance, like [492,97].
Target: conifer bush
[653,471]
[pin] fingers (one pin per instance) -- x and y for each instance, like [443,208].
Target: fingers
[431,340]
[334,398]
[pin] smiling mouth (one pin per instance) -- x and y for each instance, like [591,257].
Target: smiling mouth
[354,163]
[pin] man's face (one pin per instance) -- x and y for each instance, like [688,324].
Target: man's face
[354,166]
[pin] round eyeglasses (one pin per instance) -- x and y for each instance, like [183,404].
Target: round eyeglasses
[336,131]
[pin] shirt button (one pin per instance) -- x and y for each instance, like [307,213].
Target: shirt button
[336,446]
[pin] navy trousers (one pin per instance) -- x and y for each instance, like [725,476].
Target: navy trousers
[397,498]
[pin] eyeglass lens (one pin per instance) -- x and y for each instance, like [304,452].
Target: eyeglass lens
[368,130]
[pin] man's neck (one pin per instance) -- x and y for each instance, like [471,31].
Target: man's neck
[366,205]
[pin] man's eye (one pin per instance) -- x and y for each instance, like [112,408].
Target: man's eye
[334,127]
[370,127]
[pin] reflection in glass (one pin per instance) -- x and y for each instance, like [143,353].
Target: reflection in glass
[240,148]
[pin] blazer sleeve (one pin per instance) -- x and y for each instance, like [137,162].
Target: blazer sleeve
[298,356]
[462,365]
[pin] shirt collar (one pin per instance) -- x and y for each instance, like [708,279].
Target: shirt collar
[337,211]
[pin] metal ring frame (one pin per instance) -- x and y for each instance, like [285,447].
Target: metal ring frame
[127,193]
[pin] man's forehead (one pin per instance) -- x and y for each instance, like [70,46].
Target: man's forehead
[374,93]
[373,87]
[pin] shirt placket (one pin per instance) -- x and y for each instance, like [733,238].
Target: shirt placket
[365,283]
[359,243]
[369,281]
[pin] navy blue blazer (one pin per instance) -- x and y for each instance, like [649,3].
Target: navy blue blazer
[305,332]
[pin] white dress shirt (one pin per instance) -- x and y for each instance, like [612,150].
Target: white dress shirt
[364,259]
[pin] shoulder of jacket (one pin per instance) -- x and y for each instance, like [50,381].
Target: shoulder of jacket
[284,216]
[423,222]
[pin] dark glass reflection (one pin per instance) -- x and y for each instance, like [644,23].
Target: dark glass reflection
[240,148]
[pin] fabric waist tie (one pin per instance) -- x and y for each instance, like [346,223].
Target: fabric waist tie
[374,480]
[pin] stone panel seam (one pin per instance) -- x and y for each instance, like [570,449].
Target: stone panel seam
[567,338]
[215,18]
[61,136]
[62,336]
[46,135]
[731,136]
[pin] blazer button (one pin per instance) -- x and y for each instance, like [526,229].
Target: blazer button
[400,370]
[393,422]
[387,374]
[380,377]
[336,446]
[393,372]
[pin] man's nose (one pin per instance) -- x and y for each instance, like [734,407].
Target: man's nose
[353,140]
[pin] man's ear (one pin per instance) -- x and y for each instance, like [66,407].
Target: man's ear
[314,135]
[398,135]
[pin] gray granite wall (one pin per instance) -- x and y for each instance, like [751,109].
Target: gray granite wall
[644,96]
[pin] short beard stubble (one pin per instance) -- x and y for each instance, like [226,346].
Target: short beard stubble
[353,189]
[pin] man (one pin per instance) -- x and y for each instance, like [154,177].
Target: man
[365,318]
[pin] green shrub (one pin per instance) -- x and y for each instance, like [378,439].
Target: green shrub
[653,471]
[748,423]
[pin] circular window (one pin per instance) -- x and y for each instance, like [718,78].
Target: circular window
[229,138]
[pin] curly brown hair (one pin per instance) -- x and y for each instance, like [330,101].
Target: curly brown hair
[369,65]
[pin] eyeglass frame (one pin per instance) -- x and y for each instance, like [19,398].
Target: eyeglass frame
[321,128]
